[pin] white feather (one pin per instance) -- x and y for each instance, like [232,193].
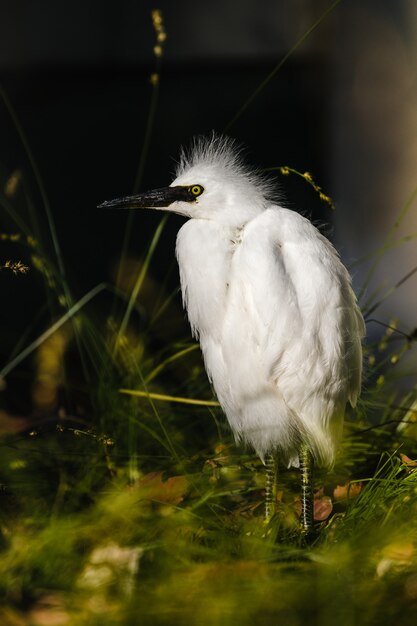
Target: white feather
[272,306]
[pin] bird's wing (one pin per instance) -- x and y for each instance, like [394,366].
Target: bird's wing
[263,320]
[301,315]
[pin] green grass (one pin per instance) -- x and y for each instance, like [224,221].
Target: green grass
[185,541]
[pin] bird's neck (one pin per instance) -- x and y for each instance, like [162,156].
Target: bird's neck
[204,252]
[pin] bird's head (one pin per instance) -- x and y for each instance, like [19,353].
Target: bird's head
[211,183]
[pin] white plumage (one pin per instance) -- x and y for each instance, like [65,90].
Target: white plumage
[272,306]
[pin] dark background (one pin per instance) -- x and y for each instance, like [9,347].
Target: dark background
[78,76]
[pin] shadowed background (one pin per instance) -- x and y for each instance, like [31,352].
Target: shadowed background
[79,77]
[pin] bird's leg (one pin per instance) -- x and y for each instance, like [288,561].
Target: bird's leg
[307,502]
[270,487]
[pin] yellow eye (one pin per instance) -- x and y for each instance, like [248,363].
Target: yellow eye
[196,190]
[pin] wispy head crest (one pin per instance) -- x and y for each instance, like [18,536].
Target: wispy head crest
[225,153]
[217,150]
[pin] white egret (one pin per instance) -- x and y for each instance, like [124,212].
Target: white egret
[273,309]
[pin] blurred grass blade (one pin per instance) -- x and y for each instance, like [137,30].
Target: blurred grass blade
[146,140]
[276,69]
[389,243]
[139,281]
[52,329]
[42,191]
[390,291]
[165,398]
[171,359]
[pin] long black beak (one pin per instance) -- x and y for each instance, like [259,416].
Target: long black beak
[156,198]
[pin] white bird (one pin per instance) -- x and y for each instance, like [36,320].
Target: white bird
[272,306]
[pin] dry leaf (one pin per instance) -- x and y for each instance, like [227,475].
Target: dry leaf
[348,490]
[323,506]
[170,491]
[407,461]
